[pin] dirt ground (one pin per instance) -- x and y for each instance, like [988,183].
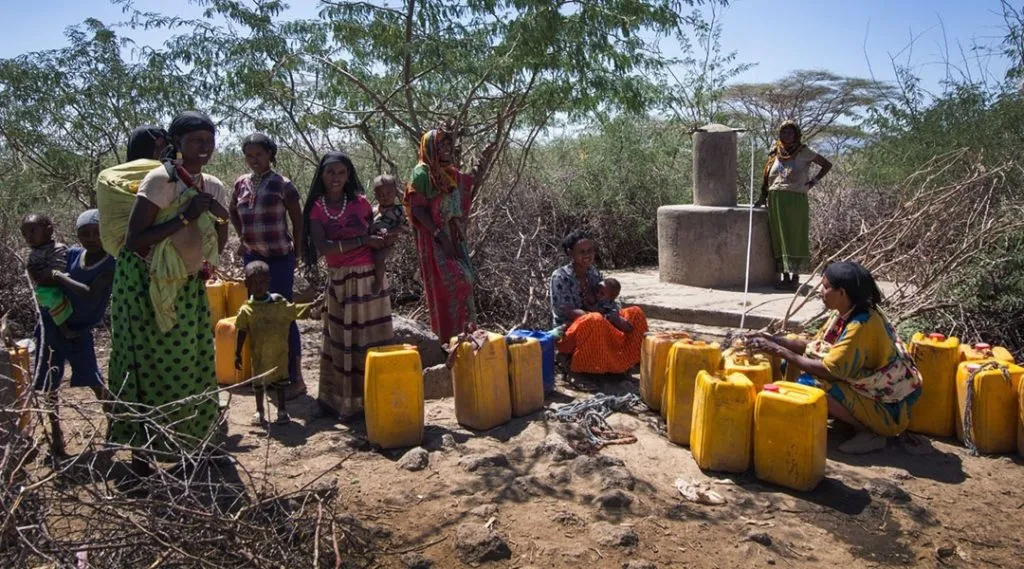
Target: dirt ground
[620,507]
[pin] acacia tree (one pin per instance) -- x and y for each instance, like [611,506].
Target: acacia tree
[378,76]
[821,102]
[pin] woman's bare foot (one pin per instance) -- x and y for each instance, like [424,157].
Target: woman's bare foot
[863,442]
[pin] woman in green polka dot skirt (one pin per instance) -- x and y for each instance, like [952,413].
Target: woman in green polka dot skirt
[163,380]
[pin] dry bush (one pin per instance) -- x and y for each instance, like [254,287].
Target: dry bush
[200,512]
[926,236]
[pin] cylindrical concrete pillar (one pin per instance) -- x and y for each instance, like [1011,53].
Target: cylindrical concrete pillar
[714,166]
[707,246]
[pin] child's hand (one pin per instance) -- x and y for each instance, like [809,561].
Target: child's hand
[238,362]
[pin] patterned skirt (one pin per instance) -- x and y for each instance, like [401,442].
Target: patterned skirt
[163,383]
[356,320]
[597,347]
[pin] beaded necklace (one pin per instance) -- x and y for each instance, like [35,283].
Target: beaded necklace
[341,212]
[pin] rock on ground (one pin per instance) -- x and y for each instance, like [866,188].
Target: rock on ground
[475,543]
[614,500]
[485,511]
[408,331]
[437,382]
[555,446]
[475,462]
[414,460]
[611,535]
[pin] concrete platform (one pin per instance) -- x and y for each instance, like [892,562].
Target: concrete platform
[711,307]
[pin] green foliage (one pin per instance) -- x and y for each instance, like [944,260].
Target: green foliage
[613,178]
[67,112]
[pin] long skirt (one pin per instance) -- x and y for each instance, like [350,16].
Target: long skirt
[163,383]
[448,286]
[355,321]
[597,347]
[789,221]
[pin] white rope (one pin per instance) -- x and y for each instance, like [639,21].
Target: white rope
[750,235]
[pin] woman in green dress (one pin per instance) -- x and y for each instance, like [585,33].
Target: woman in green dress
[161,362]
[786,181]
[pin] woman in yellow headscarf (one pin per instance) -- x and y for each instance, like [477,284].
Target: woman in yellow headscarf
[786,181]
[440,197]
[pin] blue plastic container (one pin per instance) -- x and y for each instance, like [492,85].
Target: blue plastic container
[547,353]
[807,379]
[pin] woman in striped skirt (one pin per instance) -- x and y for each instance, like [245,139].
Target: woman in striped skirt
[337,218]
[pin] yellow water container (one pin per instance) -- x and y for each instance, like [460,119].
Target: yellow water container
[482,398]
[936,357]
[790,423]
[686,358]
[393,396]
[755,367]
[235,294]
[1020,418]
[994,407]
[525,376]
[982,351]
[217,297]
[225,337]
[15,397]
[654,364]
[723,422]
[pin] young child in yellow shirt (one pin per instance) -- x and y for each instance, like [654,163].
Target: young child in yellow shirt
[264,319]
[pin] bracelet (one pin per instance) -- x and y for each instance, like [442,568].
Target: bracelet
[220,220]
[184,220]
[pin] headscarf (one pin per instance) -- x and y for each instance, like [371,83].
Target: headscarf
[442,176]
[858,283]
[87,217]
[781,151]
[263,140]
[317,191]
[186,122]
[142,142]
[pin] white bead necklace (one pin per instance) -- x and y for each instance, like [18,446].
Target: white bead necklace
[327,212]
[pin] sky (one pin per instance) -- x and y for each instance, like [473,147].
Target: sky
[853,38]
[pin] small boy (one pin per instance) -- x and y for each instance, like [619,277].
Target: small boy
[46,258]
[265,319]
[389,220]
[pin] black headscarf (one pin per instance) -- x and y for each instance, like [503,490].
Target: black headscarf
[186,122]
[263,140]
[858,283]
[142,142]
[317,190]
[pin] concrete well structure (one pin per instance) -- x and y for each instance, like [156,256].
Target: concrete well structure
[705,244]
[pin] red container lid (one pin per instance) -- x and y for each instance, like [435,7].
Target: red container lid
[937,337]
[982,346]
[771,387]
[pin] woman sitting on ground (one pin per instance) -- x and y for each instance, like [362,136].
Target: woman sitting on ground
[869,378]
[601,338]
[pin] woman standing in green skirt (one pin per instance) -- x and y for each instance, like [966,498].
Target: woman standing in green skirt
[162,375]
[786,181]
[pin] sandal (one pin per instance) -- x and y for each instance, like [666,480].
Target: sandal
[258,421]
[282,418]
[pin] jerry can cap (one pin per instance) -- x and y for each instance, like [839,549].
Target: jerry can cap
[982,346]
[771,387]
[937,337]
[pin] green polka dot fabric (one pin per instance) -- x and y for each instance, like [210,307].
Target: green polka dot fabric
[163,382]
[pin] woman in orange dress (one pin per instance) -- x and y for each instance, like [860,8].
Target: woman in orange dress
[600,337]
